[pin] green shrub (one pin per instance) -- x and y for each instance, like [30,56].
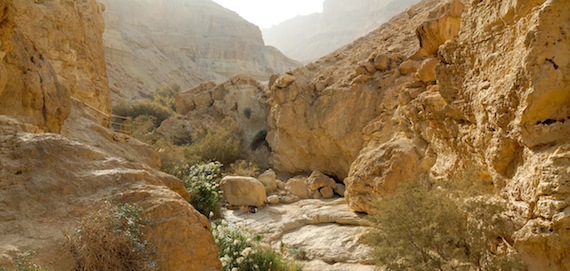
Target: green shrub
[241,250]
[143,108]
[436,229]
[24,263]
[164,96]
[202,182]
[112,239]
[218,142]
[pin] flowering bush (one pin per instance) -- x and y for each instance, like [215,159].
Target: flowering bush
[202,182]
[242,251]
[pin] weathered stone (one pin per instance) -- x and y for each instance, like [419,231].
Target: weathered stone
[273,199]
[298,186]
[409,66]
[269,180]
[288,199]
[382,62]
[63,180]
[340,189]
[243,191]
[284,80]
[327,192]
[426,72]
[318,180]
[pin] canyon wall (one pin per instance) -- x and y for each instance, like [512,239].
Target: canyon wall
[148,43]
[460,90]
[41,69]
[309,37]
[53,79]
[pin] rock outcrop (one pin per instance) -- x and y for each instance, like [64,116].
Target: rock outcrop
[473,90]
[241,100]
[53,79]
[40,68]
[48,182]
[322,234]
[309,37]
[185,42]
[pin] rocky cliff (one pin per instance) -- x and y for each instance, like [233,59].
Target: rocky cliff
[40,70]
[53,79]
[306,38]
[475,90]
[184,42]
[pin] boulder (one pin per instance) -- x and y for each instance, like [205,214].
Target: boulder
[285,81]
[318,180]
[269,180]
[382,62]
[327,192]
[243,191]
[409,66]
[298,186]
[426,71]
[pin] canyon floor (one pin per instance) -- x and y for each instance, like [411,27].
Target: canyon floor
[324,234]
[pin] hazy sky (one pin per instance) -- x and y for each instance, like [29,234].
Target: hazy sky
[266,13]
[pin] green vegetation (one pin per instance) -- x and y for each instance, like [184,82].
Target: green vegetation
[112,239]
[438,229]
[240,250]
[202,182]
[24,262]
[216,142]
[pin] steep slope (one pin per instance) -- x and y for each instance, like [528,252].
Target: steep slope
[53,78]
[475,90]
[306,38]
[183,41]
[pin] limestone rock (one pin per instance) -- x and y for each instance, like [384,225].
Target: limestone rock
[318,180]
[298,186]
[327,192]
[61,180]
[326,230]
[273,199]
[269,180]
[382,62]
[340,189]
[288,199]
[496,112]
[284,81]
[148,43]
[49,53]
[243,191]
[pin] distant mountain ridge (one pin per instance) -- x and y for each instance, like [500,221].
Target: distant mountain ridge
[181,41]
[306,38]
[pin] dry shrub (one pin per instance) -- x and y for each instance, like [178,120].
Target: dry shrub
[243,168]
[219,142]
[111,240]
[442,229]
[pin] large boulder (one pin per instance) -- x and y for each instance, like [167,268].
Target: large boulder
[49,182]
[243,191]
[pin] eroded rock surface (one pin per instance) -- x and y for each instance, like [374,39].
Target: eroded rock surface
[473,90]
[48,182]
[327,232]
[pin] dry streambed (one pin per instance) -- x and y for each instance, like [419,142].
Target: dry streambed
[323,234]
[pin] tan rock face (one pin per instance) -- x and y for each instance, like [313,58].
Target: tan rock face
[488,102]
[49,182]
[50,51]
[186,42]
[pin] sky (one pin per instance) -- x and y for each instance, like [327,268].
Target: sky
[266,13]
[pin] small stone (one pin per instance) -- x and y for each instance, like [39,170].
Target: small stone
[382,62]
[298,187]
[285,81]
[288,199]
[316,195]
[269,180]
[340,189]
[273,199]
[327,192]
[318,180]
[409,67]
